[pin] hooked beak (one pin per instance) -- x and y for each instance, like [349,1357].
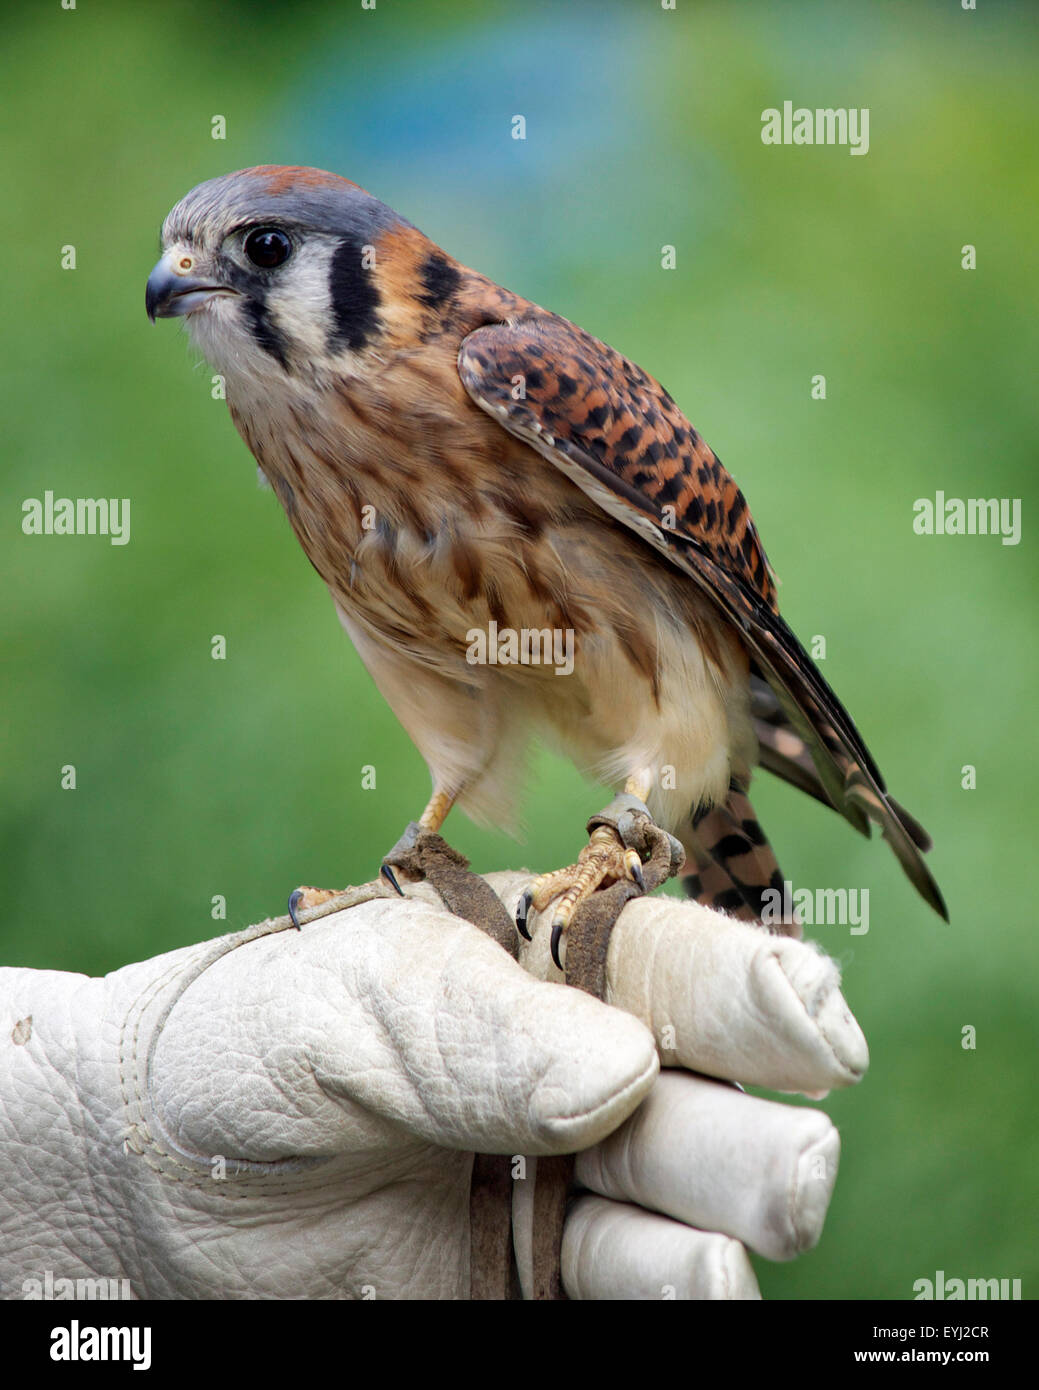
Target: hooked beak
[173,290]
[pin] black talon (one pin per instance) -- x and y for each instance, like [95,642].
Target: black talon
[636,873]
[522,909]
[557,933]
[391,878]
[294,899]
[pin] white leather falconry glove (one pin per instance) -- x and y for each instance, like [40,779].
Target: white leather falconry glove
[282,1114]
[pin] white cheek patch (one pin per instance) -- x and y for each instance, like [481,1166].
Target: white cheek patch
[297,307]
[299,300]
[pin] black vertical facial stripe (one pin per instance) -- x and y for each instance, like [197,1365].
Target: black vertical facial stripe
[264,332]
[355,299]
[440,279]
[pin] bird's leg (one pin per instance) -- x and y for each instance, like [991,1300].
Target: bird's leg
[604,860]
[433,817]
[430,821]
[321,902]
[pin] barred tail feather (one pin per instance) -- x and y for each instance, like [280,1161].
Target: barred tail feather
[736,868]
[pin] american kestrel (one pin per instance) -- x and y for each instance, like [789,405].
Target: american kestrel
[458,462]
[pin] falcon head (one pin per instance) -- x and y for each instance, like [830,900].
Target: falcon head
[289,271]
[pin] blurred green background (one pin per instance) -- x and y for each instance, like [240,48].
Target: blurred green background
[242,777]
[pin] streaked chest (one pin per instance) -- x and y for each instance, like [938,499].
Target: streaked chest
[421,514]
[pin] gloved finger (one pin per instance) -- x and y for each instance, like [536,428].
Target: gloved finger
[722,997]
[614,1251]
[708,1155]
[391,1019]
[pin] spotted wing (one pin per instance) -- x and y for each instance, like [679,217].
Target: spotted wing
[618,435]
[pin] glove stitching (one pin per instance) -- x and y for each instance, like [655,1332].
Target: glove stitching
[164,1159]
[799,1228]
[820,1030]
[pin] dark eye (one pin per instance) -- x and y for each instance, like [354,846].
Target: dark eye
[267,247]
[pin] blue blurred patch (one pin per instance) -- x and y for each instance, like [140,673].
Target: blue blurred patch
[425,122]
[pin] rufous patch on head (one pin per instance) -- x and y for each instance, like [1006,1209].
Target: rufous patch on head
[400,253]
[282,178]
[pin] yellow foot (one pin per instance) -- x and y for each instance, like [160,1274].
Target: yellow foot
[604,860]
[303,899]
[310,903]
